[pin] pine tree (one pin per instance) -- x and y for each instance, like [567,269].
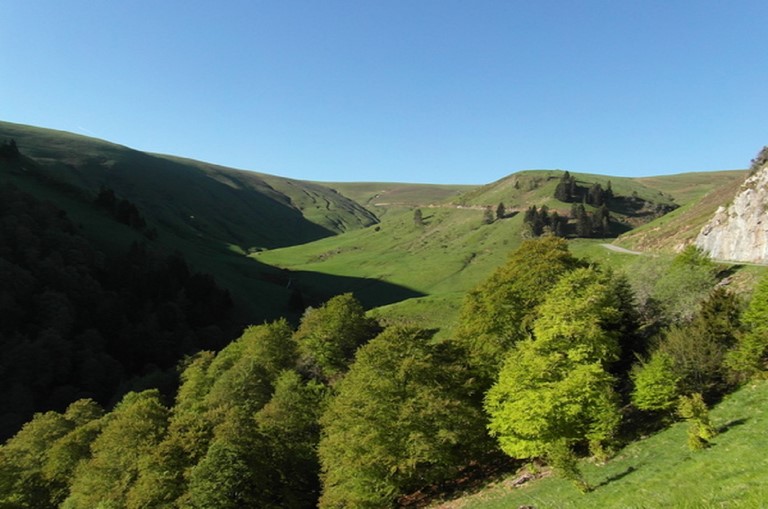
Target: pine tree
[500,211]
[418,218]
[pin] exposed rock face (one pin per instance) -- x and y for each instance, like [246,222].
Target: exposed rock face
[740,231]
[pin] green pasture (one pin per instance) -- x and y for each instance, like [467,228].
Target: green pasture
[659,470]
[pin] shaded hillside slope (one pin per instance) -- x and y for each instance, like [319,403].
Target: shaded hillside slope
[214,215]
[237,207]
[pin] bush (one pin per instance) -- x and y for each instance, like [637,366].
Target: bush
[656,383]
[695,411]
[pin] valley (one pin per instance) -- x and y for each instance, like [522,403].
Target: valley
[204,313]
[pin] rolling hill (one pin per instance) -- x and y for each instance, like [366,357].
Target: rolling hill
[194,198]
[408,252]
[267,237]
[453,249]
[212,214]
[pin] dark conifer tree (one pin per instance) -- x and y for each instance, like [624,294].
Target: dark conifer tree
[595,195]
[501,211]
[418,217]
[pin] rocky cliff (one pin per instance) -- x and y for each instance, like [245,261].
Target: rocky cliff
[739,232]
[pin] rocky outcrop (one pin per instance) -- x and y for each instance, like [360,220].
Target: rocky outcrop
[739,232]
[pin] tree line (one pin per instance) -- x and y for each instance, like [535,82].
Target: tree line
[553,358]
[79,323]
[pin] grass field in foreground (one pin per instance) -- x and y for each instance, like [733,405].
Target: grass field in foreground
[660,472]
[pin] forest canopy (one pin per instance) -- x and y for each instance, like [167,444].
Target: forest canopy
[551,356]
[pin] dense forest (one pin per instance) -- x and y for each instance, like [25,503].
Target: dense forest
[79,323]
[553,358]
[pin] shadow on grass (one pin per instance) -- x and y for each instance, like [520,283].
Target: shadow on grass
[732,424]
[615,477]
[318,287]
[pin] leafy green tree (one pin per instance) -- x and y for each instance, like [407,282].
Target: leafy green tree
[685,284]
[161,481]
[289,424]
[747,358]
[272,346]
[36,465]
[698,348]
[554,388]
[219,394]
[22,483]
[234,472]
[132,430]
[329,335]
[404,417]
[501,310]
[74,448]
[656,383]
[246,385]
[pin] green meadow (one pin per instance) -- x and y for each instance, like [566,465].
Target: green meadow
[659,470]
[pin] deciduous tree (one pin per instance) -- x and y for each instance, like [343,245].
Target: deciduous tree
[329,335]
[554,388]
[500,311]
[403,418]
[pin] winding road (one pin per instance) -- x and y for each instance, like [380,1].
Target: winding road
[618,249]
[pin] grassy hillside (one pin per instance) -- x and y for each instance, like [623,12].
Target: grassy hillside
[660,471]
[214,215]
[700,194]
[453,250]
[380,197]
[244,208]
[332,238]
[449,253]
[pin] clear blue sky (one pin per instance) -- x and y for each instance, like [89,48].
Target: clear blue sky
[398,90]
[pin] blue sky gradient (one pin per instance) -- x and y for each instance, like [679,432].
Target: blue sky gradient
[398,90]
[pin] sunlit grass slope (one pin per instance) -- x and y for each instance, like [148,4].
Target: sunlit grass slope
[700,194]
[450,253]
[453,250]
[660,471]
[379,196]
